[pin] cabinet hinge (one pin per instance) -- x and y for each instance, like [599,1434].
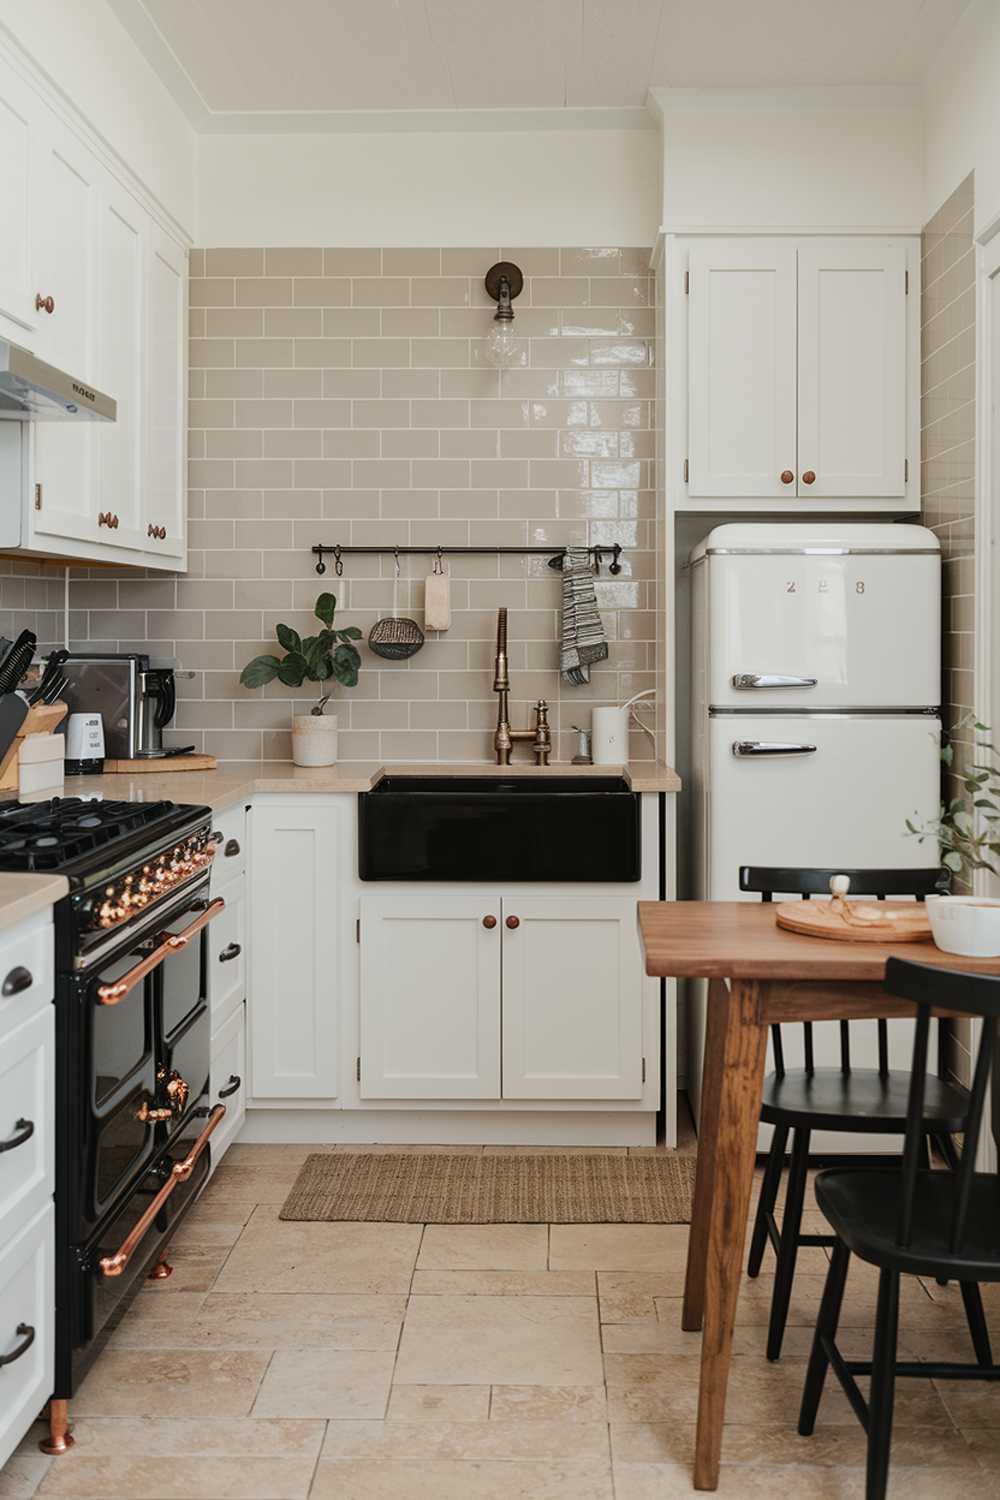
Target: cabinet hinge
[906,283]
[357,931]
[644,1070]
[687,283]
[357,1070]
[685,471]
[38,497]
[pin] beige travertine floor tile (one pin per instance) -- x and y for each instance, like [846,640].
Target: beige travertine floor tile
[439,1403]
[272,1256]
[661,1248]
[668,1337]
[270,1183]
[271,1155]
[208,1437]
[272,1320]
[21,1474]
[208,1226]
[194,1270]
[568,1403]
[484,1247]
[917,1311]
[638,1481]
[515,1439]
[139,1478]
[630,1296]
[170,1383]
[443,1479]
[504,1283]
[672,1444]
[328,1383]
[502,1340]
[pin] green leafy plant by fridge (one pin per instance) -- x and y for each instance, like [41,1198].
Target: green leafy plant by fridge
[329,656]
[967,828]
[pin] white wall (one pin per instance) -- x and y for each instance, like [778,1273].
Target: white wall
[541,187]
[87,54]
[962,113]
[813,158]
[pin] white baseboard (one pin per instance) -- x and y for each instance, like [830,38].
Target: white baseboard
[430,1128]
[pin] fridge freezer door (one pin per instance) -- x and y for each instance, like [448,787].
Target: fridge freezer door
[845,802]
[847,630]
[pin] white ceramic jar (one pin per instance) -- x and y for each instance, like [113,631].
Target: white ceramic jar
[314,739]
[969,925]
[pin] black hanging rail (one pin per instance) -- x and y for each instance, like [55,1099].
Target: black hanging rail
[338,553]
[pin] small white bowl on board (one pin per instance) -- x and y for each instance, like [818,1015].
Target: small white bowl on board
[967,925]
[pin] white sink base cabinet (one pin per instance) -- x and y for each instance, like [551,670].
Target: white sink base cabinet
[389,1011]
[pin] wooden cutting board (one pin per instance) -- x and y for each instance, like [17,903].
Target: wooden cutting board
[872,921]
[164,766]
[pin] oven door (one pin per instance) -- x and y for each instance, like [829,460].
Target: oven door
[181,1010]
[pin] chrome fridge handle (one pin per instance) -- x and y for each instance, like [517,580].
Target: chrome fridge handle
[742,748]
[743,680]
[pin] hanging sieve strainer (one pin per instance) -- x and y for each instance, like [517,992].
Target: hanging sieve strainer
[393,637]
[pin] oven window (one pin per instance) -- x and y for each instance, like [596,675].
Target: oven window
[122,1141]
[120,1034]
[182,976]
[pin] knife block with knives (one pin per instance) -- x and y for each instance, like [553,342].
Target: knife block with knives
[30,713]
[40,719]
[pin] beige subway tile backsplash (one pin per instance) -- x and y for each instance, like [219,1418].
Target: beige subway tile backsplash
[342,395]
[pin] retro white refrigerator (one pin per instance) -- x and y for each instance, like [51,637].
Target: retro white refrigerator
[816,689]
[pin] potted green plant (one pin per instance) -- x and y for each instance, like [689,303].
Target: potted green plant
[325,658]
[967,833]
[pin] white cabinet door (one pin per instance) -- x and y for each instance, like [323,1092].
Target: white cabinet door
[294,961]
[430,997]
[64,241]
[572,998]
[121,309]
[741,393]
[852,370]
[166,425]
[27,1327]
[229,1082]
[20,110]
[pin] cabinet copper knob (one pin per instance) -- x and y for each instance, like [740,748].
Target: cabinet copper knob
[44,304]
[489,923]
[150,529]
[513,922]
[787,476]
[809,477]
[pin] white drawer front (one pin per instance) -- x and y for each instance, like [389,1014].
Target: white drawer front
[27,961]
[229,830]
[229,1082]
[227,956]
[27,1115]
[27,1302]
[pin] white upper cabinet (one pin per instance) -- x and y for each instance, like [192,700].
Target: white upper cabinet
[93,285]
[801,379]
[852,370]
[742,368]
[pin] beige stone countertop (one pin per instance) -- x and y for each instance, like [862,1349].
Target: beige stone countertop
[21,896]
[236,781]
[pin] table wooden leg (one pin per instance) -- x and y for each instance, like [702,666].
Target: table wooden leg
[692,1314]
[734,1148]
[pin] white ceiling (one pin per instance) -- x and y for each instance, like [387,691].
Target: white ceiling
[376,64]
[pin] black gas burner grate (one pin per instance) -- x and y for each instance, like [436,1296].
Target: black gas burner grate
[50,835]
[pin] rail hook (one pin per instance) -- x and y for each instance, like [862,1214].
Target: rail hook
[616,566]
[338,565]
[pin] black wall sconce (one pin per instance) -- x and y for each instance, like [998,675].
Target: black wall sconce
[504,282]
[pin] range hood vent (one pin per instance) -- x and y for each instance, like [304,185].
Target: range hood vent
[32,391]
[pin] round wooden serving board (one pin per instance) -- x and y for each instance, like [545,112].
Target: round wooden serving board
[874,921]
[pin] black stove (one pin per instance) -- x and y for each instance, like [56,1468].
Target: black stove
[132,1047]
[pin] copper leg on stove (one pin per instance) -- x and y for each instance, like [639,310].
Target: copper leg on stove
[161,1270]
[60,1438]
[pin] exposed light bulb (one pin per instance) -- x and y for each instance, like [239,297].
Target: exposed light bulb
[503,348]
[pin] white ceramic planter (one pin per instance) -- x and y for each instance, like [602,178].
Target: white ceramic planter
[969,925]
[314,739]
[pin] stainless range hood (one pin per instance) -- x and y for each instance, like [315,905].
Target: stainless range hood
[32,391]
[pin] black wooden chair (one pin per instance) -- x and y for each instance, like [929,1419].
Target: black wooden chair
[911,1222]
[845,1099]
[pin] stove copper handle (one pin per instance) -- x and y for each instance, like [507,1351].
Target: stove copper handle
[114,1265]
[111,994]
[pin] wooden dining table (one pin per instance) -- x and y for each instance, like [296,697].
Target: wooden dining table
[759,974]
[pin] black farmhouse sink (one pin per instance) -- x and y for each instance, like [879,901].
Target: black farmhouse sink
[556,828]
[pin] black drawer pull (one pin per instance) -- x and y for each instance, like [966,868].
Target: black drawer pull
[232,847]
[234,1083]
[233,950]
[216,836]
[26,1334]
[17,980]
[25,1130]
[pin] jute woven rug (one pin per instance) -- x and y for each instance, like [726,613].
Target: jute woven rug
[552,1189]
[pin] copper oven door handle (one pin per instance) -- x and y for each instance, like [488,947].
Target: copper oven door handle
[114,1265]
[111,994]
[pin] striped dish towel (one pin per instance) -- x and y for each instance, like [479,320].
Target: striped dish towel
[583,638]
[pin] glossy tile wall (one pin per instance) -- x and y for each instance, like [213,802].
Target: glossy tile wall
[33,597]
[342,396]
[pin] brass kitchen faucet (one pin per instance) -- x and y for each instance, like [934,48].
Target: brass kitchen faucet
[505,738]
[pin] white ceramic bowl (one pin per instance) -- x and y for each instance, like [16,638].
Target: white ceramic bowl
[969,925]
